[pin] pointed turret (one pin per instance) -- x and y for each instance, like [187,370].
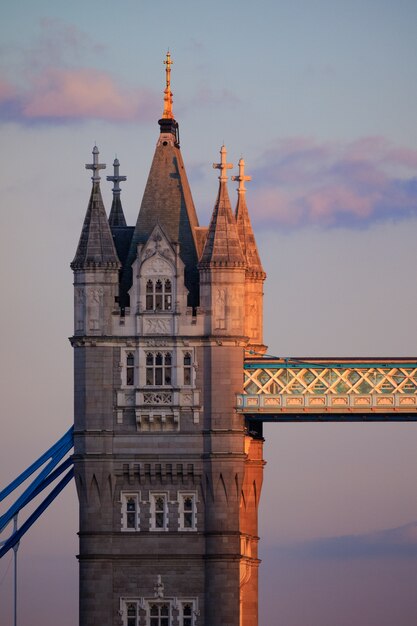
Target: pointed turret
[244,226]
[116,217]
[255,275]
[222,266]
[222,246]
[96,265]
[95,248]
[167,198]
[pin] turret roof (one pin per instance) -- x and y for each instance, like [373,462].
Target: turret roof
[95,247]
[244,225]
[116,217]
[222,246]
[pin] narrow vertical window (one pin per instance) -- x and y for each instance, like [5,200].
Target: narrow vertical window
[130,369]
[187,511]
[132,614]
[187,368]
[167,295]
[149,295]
[159,511]
[130,511]
[187,615]
[158,295]
[159,362]
[167,372]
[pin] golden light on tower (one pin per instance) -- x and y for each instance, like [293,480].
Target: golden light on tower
[168,114]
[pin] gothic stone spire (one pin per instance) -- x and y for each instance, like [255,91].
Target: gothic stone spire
[244,226]
[222,247]
[95,247]
[116,217]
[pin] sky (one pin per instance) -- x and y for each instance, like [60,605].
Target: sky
[320,99]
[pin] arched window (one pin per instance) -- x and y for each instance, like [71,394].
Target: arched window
[187,368]
[130,511]
[159,615]
[158,368]
[159,511]
[159,295]
[132,613]
[187,511]
[130,369]
[187,614]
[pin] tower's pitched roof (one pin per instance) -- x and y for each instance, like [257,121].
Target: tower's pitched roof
[244,225]
[95,247]
[167,199]
[222,246]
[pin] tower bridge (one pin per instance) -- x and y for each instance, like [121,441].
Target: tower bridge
[172,385]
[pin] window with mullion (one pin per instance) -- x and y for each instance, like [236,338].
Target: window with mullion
[158,368]
[159,615]
[159,295]
[132,614]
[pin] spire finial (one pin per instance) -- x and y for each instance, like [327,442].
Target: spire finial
[95,166]
[168,114]
[241,178]
[223,166]
[116,178]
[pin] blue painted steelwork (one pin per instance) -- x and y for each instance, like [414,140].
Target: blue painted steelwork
[18,534]
[55,454]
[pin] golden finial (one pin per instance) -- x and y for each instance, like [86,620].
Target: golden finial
[168,114]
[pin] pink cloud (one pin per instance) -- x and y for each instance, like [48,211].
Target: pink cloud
[301,181]
[7,90]
[84,94]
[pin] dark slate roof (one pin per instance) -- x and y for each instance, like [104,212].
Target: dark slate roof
[222,246]
[95,247]
[122,237]
[167,199]
[247,237]
[117,217]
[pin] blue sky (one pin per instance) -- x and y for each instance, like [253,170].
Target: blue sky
[320,99]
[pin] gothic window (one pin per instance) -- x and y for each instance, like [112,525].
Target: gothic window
[159,614]
[187,614]
[187,511]
[159,295]
[130,511]
[158,368]
[159,511]
[131,614]
[187,368]
[130,369]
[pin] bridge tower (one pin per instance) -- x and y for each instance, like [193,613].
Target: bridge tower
[168,476]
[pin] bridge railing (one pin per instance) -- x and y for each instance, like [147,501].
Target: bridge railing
[329,385]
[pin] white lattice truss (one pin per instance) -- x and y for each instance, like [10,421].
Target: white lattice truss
[329,385]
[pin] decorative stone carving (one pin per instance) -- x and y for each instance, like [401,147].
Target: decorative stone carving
[95,305]
[159,587]
[158,326]
[220,309]
[157,397]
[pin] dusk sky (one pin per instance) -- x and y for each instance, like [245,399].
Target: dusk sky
[320,98]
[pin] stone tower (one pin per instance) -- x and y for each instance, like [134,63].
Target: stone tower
[168,475]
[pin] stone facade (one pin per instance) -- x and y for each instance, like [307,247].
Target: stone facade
[168,478]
